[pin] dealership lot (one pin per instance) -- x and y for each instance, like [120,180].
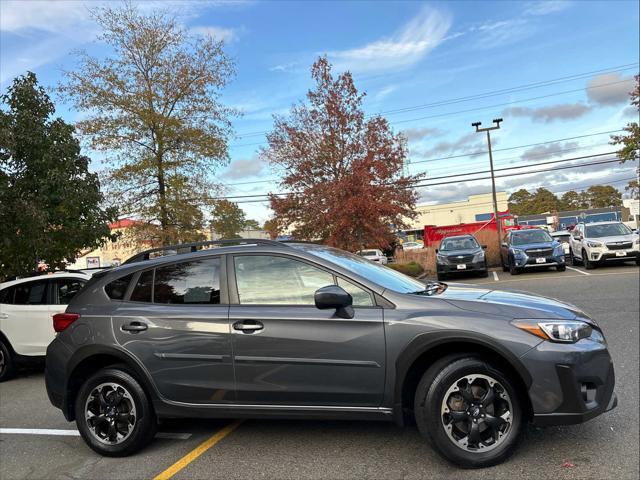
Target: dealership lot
[605,447]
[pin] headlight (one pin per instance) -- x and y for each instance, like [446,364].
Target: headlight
[517,251]
[636,241]
[442,258]
[592,244]
[562,331]
[478,257]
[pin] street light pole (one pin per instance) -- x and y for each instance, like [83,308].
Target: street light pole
[493,180]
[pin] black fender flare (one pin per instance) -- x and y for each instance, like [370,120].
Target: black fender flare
[427,341]
[88,351]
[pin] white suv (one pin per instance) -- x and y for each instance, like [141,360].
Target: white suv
[26,308]
[602,242]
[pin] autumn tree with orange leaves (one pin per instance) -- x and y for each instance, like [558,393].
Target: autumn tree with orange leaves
[344,177]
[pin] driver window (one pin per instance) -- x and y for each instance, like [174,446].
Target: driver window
[272,280]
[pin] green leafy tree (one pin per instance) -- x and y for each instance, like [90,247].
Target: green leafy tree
[50,204]
[573,200]
[228,219]
[153,106]
[519,201]
[633,189]
[601,196]
[630,142]
[251,224]
[271,227]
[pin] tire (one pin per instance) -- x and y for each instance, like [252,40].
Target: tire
[505,268]
[513,270]
[7,363]
[442,276]
[588,264]
[638,261]
[561,268]
[144,426]
[574,260]
[484,273]
[429,404]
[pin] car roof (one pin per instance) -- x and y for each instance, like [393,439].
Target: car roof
[561,232]
[467,235]
[600,223]
[46,276]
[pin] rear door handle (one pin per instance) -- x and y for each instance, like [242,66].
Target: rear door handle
[248,326]
[134,327]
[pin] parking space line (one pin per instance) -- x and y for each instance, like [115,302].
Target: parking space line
[576,270]
[196,452]
[76,433]
[495,276]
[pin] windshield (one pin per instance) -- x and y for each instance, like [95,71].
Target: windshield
[565,237]
[525,237]
[607,230]
[464,243]
[383,276]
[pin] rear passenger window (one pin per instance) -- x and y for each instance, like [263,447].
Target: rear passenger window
[31,293]
[195,282]
[142,290]
[6,295]
[67,288]
[117,289]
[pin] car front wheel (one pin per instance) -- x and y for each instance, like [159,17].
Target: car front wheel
[588,264]
[574,260]
[114,414]
[469,410]
[7,366]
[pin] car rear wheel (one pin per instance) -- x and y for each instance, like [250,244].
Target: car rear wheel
[7,365]
[469,410]
[113,413]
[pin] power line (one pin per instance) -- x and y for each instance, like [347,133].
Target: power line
[451,101]
[472,154]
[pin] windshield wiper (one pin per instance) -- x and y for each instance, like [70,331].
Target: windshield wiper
[433,288]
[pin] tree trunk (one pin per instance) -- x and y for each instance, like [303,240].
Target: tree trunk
[162,199]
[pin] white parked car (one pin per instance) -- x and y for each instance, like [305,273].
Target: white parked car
[412,245]
[26,308]
[598,243]
[374,255]
[564,237]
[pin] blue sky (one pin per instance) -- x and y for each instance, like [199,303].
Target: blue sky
[405,55]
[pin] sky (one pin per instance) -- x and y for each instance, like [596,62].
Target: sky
[557,72]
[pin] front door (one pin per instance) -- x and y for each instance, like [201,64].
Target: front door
[288,352]
[175,321]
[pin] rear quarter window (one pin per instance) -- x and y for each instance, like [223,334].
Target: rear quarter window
[117,289]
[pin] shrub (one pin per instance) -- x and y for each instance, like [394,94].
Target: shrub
[413,269]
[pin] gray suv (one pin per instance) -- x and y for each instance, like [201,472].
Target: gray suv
[269,329]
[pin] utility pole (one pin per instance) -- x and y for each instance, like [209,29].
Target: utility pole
[493,180]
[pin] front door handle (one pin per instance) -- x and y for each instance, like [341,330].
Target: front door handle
[248,326]
[134,327]
[4,315]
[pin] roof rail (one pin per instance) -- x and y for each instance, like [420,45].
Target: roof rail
[194,247]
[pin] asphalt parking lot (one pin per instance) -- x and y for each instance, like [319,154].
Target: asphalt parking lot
[606,447]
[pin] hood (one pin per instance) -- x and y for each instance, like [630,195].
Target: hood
[453,253]
[615,238]
[527,246]
[509,304]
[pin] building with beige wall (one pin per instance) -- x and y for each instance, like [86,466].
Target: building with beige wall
[476,208]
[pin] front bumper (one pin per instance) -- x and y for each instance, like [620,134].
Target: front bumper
[571,383]
[524,261]
[613,255]
[468,267]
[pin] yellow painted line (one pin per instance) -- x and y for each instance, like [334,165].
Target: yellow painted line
[555,277]
[196,452]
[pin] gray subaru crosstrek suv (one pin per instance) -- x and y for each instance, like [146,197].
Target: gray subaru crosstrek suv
[269,329]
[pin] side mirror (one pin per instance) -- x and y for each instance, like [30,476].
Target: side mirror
[504,244]
[333,296]
[436,250]
[484,247]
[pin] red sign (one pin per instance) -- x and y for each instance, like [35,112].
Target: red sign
[433,234]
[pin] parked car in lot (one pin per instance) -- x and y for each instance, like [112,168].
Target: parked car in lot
[595,244]
[522,249]
[564,238]
[267,329]
[26,307]
[412,245]
[460,254]
[374,255]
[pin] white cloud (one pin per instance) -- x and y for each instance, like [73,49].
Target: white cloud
[219,33]
[548,151]
[405,48]
[415,134]
[17,16]
[546,7]
[564,111]
[244,168]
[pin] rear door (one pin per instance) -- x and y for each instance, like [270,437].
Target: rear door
[26,319]
[175,320]
[288,352]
